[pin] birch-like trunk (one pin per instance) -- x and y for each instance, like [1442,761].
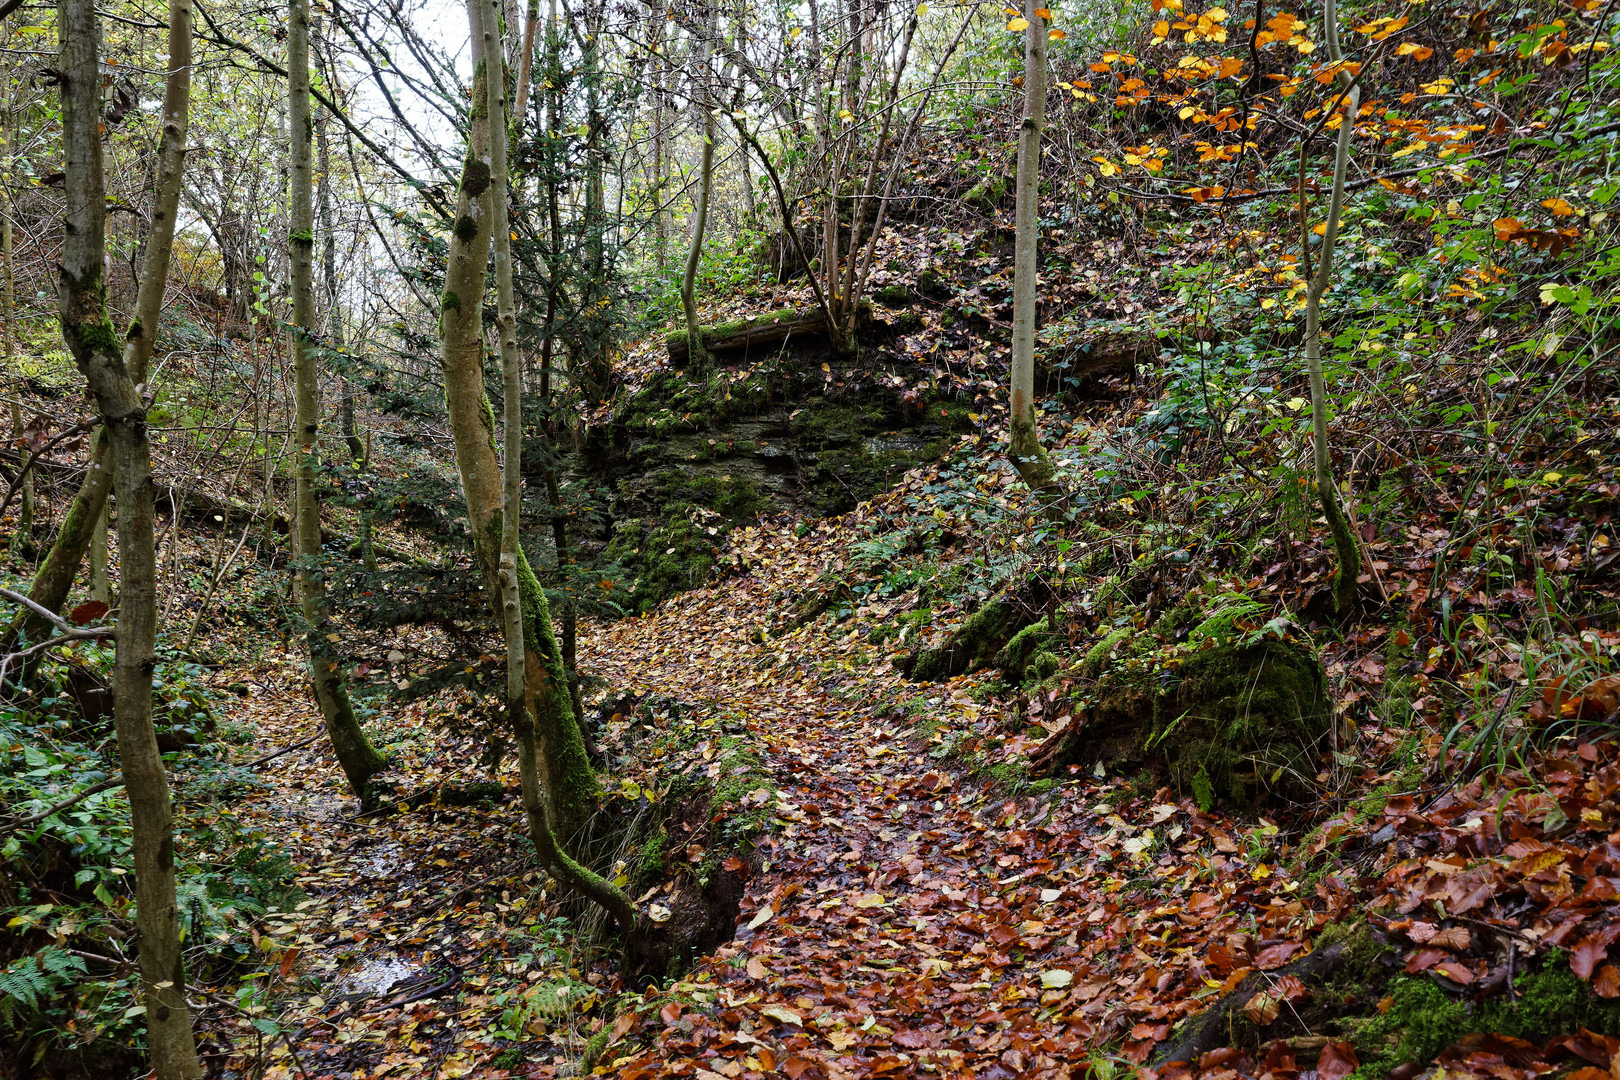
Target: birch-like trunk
[699,356]
[359,759]
[510,599]
[564,771]
[1025,450]
[1344,541]
[115,373]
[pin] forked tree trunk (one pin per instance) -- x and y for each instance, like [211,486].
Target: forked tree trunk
[564,770]
[510,600]
[359,759]
[115,374]
[1025,450]
[1344,541]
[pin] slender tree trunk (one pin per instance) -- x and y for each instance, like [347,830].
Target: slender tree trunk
[1344,541]
[100,586]
[698,355]
[1025,450]
[510,600]
[359,759]
[8,317]
[334,330]
[660,77]
[565,774]
[115,374]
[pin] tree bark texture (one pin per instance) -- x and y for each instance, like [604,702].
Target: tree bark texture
[115,374]
[530,751]
[1025,450]
[359,759]
[565,770]
[1344,541]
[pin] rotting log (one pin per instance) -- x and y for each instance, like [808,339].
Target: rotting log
[745,333]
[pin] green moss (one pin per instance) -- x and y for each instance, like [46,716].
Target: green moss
[95,337]
[1027,651]
[1423,1020]
[466,228]
[134,331]
[300,236]
[894,296]
[973,644]
[474,178]
[449,301]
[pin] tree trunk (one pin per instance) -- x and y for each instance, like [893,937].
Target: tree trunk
[565,771]
[509,598]
[8,323]
[1025,450]
[115,375]
[359,759]
[1344,541]
[697,356]
[100,586]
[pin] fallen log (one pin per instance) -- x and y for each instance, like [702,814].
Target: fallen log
[767,329]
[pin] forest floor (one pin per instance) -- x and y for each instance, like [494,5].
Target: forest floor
[903,915]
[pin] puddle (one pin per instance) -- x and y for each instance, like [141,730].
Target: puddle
[379,975]
[383,861]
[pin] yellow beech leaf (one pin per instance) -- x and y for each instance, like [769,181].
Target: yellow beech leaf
[1018,24]
[1056,979]
[1056,35]
[1044,13]
[781,1015]
[1559,207]
[1161,29]
[870,900]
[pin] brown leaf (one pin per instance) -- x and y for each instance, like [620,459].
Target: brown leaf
[1607,983]
[1262,1009]
[1338,1061]
[1586,956]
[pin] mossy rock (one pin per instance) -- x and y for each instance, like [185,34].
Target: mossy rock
[983,635]
[1247,718]
[894,296]
[1028,654]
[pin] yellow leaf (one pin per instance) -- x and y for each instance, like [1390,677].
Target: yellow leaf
[1056,979]
[785,1016]
[870,900]
[1161,29]
[1559,207]
[1056,35]
[1043,12]
[1186,111]
[1267,304]
[793,34]
[922,9]
[1297,403]
[1018,24]
[1216,14]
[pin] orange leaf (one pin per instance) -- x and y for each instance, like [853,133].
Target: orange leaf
[1607,983]
[1559,207]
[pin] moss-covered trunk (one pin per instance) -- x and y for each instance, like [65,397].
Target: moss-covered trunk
[115,372]
[564,770]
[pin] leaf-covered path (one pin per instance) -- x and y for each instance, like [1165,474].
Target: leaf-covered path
[912,922]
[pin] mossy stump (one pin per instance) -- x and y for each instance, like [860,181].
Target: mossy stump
[1235,721]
